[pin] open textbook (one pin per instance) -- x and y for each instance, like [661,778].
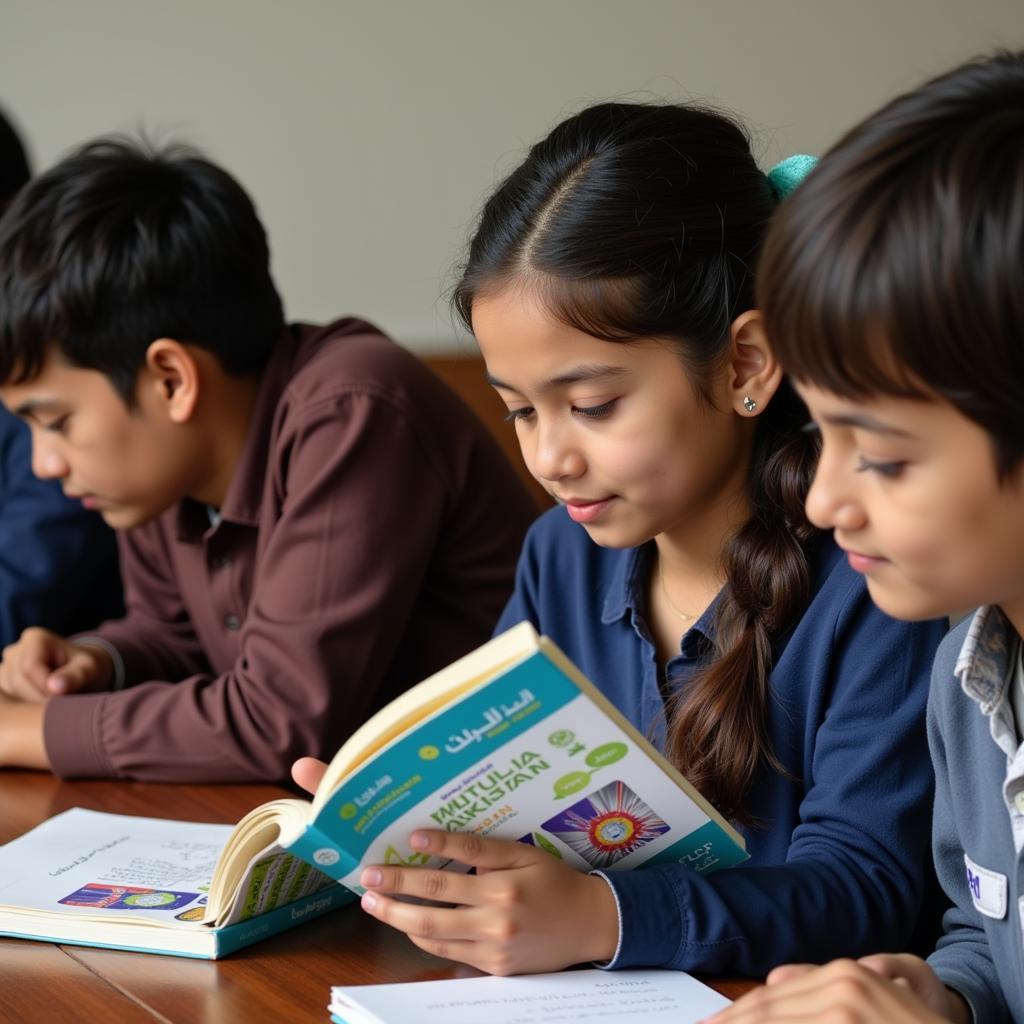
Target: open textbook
[619,997]
[510,741]
[84,877]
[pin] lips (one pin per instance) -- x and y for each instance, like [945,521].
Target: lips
[583,510]
[863,563]
[88,500]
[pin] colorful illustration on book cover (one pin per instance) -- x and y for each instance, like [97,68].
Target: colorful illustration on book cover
[607,825]
[98,896]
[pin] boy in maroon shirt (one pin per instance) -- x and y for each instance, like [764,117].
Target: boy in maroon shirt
[311,521]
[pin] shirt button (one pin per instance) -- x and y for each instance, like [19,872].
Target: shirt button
[232,622]
[1018,801]
[222,562]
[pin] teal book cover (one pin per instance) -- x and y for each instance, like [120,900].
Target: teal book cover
[526,750]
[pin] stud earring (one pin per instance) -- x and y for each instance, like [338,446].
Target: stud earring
[749,404]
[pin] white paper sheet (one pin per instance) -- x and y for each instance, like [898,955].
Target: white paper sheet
[602,997]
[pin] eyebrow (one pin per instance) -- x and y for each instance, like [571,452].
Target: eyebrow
[586,372]
[864,421]
[34,405]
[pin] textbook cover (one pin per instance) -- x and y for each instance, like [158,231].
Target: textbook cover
[511,741]
[88,878]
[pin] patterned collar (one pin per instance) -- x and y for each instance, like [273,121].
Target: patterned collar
[985,662]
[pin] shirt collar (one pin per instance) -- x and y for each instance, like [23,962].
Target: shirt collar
[626,596]
[624,587]
[985,660]
[245,492]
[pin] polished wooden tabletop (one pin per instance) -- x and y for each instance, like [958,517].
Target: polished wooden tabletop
[285,978]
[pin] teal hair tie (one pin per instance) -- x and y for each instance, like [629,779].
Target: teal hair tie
[788,173]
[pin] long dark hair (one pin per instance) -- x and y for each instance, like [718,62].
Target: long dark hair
[634,221]
[896,267]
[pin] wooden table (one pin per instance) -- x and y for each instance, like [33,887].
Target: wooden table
[285,978]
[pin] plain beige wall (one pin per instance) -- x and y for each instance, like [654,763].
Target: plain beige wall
[370,132]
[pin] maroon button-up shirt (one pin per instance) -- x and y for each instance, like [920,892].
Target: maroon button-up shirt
[368,537]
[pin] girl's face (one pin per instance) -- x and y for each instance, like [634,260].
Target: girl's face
[910,490]
[615,431]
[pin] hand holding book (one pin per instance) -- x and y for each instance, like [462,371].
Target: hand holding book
[522,912]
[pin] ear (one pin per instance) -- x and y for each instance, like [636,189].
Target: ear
[171,375]
[755,372]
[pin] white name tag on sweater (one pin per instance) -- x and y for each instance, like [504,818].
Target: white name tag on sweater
[987,888]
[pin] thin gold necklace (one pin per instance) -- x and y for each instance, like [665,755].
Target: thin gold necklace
[678,612]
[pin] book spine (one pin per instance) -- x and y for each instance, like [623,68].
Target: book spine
[237,936]
[323,853]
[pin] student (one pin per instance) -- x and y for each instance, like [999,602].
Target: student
[58,562]
[609,286]
[892,283]
[311,520]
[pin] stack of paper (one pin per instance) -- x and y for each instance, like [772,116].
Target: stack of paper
[604,997]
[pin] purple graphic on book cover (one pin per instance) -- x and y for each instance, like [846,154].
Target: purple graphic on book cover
[607,825]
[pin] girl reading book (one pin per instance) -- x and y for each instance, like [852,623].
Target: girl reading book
[609,285]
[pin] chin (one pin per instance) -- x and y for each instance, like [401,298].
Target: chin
[608,537]
[908,603]
[120,518]
[116,520]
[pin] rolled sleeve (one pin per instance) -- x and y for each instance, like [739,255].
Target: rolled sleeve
[72,735]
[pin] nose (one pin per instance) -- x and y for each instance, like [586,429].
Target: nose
[47,462]
[555,455]
[832,501]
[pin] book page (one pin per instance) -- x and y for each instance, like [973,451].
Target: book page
[604,997]
[112,866]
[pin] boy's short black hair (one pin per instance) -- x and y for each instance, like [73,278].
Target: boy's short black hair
[122,243]
[896,267]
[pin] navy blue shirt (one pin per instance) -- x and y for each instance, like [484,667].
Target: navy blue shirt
[838,862]
[58,562]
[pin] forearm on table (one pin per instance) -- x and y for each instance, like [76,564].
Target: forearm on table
[21,736]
